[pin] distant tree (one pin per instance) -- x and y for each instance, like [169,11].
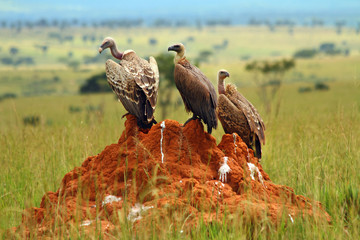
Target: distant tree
[75,22]
[339,24]
[325,47]
[55,23]
[304,89]
[74,65]
[7,96]
[24,60]
[42,23]
[181,23]
[85,38]
[160,22]
[203,56]
[13,50]
[190,39]
[321,86]
[316,22]
[305,53]
[29,24]
[268,77]
[4,24]
[93,39]
[44,48]
[68,38]
[166,66]
[32,120]
[7,61]
[56,79]
[95,84]
[152,41]
[54,35]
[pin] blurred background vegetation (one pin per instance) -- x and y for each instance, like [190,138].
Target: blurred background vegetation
[301,71]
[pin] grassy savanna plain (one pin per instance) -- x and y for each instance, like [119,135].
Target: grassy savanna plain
[312,143]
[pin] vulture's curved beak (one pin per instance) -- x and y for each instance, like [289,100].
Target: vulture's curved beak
[100,49]
[227,74]
[172,48]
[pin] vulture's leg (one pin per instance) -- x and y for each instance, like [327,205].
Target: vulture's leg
[194,117]
[124,115]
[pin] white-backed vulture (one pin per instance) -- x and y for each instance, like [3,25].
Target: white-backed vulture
[195,88]
[238,115]
[135,81]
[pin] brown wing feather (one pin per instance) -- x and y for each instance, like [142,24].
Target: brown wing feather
[129,93]
[197,92]
[144,73]
[253,117]
[233,119]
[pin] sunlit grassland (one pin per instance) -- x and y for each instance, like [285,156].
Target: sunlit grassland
[312,145]
[250,43]
[243,41]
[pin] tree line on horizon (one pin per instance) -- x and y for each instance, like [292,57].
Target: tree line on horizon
[163,22]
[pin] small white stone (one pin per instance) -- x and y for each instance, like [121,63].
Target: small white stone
[85,223]
[136,210]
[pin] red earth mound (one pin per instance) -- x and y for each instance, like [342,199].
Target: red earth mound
[166,170]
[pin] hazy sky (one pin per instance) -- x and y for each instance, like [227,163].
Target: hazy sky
[147,9]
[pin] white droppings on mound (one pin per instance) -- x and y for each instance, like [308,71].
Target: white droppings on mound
[254,169]
[110,199]
[224,170]
[291,219]
[161,140]
[136,211]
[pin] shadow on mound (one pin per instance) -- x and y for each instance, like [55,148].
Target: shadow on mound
[171,175]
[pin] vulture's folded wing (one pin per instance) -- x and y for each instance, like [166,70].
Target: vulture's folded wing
[143,73]
[197,95]
[255,121]
[127,91]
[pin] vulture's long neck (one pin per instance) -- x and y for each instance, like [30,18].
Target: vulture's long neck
[221,86]
[179,56]
[115,52]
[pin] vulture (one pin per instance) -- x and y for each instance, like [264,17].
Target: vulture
[238,115]
[135,81]
[195,88]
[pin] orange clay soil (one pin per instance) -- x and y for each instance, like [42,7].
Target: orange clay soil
[172,173]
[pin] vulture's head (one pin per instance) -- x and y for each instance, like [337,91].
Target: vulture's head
[223,74]
[178,48]
[107,43]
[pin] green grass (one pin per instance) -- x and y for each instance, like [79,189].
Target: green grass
[312,145]
[314,150]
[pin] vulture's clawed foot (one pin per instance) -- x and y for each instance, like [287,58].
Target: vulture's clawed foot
[124,115]
[192,118]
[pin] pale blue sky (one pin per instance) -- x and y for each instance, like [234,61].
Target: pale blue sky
[237,10]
